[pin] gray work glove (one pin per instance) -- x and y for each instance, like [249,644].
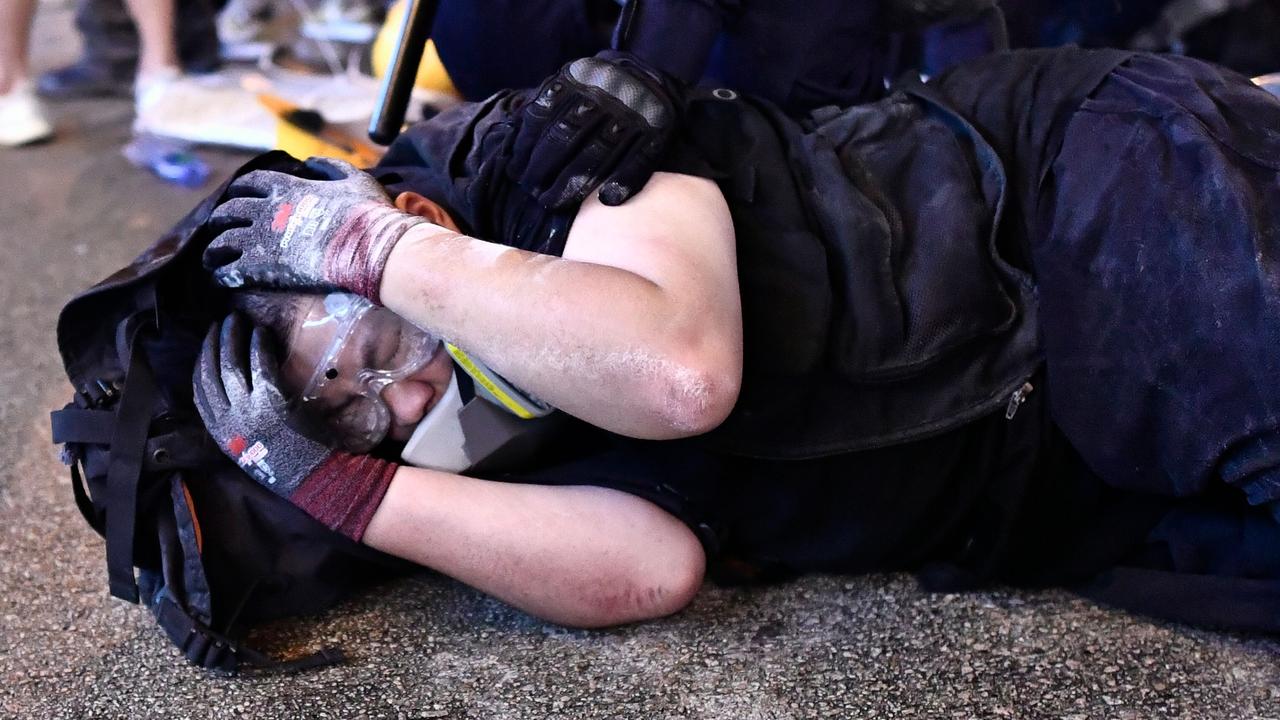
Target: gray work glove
[238,396]
[293,233]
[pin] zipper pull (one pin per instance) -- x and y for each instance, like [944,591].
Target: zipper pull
[1015,401]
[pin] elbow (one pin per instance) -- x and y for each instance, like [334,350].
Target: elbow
[698,393]
[663,589]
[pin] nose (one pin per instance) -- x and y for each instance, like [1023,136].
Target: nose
[408,400]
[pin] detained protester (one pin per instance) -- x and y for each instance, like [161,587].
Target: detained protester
[577,555]
[1015,324]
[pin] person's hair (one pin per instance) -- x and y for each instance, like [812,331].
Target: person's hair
[274,311]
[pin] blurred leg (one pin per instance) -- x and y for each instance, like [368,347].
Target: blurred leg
[111,47]
[197,35]
[15,35]
[155,23]
[22,119]
[109,59]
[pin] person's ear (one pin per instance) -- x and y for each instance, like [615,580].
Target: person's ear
[416,204]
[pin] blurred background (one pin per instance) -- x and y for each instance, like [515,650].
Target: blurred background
[303,75]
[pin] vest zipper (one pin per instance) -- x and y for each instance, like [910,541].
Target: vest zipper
[1015,401]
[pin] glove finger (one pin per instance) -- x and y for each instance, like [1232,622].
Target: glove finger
[230,276]
[546,138]
[263,365]
[559,149]
[631,175]
[233,358]
[533,124]
[254,273]
[332,168]
[217,226]
[227,248]
[259,184]
[210,396]
[239,209]
[587,167]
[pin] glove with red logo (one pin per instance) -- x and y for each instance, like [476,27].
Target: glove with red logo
[237,394]
[294,233]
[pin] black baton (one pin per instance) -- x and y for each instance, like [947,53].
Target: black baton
[397,85]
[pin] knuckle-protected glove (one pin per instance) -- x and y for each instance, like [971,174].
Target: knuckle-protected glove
[294,233]
[601,121]
[237,395]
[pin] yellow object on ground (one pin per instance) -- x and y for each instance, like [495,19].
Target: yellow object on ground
[301,140]
[431,73]
[302,144]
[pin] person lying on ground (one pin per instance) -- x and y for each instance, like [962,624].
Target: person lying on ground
[1015,322]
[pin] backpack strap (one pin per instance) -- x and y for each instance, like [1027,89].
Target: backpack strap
[74,424]
[124,470]
[83,503]
[214,651]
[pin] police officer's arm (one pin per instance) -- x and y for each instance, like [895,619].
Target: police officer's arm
[604,121]
[637,329]
[673,36]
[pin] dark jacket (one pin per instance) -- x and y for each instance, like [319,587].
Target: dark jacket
[885,298]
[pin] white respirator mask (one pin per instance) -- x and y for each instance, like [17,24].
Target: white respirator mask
[458,435]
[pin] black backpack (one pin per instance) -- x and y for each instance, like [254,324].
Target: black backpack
[215,552]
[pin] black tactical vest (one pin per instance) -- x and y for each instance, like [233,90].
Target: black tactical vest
[885,293]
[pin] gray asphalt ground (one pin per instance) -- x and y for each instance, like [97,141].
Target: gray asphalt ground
[425,647]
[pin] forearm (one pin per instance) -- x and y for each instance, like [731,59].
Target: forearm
[579,556]
[675,36]
[15,33]
[598,342]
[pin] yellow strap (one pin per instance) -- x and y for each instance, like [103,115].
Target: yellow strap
[481,376]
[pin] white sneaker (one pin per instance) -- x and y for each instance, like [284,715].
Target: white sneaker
[22,118]
[154,98]
[205,109]
[149,90]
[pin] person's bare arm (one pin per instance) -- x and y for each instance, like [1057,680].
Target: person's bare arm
[637,329]
[578,556]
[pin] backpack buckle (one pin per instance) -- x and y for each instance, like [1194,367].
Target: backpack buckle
[98,393]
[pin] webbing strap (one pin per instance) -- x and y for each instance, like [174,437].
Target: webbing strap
[80,425]
[124,469]
[213,651]
[83,503]
[1240,604]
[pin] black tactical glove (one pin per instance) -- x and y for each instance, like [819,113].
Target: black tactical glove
[604,119]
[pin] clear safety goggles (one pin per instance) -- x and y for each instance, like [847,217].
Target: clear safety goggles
[355,349]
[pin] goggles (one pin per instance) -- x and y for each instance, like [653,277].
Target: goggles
[353,350]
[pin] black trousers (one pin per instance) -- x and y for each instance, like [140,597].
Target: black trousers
[111,38]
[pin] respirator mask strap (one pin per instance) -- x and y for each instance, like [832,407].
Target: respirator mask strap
[494,388]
